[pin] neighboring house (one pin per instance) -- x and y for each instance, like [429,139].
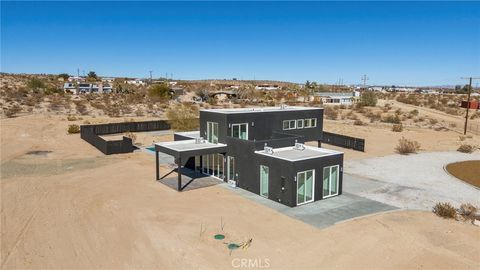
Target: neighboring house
[136,82]
[83,88]
[70,88]
[337,98]
[267,87]
[261,150]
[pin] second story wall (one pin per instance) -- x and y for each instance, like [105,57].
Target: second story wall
[262,125]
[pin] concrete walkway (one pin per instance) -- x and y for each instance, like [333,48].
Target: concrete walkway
[322,213]
[416,181]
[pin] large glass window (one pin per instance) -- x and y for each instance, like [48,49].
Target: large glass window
[264,180]
[240,131]
[231,168]
[330,181]
[212,132]
[305,186]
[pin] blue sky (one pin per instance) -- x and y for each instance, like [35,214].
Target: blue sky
[402,43]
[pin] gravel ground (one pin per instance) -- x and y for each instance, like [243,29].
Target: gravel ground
[415,181]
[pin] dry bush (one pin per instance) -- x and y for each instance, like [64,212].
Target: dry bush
[81,107]
[406,146]
[433,121]
[71,118]
[72,129]
[475,115]
[374,116]
[183,117]
[466,148]
[358,122]
[445,210]
[392,119]
[397,128]
[331,113]
[468,211]
[414,112]
[12,111]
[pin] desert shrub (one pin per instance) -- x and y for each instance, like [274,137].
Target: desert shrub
[183,117]
[331,113]
[451,111]
[72,129]
[414,112]
[374,116]
[467,211]
[81,107]
[159,92]
[405,146]
[392,119]
[71,118]
[466,148]
[475,115]
[139,112]
[397,128]
[13,111]
[35,84]
[433,121]
[358,122]
[445,210]
[368,98]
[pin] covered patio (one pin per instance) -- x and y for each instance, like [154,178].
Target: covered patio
[182,151]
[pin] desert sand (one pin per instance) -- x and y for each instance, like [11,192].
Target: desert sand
[69,206]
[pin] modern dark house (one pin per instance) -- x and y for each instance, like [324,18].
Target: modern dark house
[262,150]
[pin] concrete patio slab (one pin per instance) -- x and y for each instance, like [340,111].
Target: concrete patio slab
[323,213]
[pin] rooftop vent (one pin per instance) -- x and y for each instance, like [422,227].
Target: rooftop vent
[268,150]
[299,146]
[283,107]
[199,140]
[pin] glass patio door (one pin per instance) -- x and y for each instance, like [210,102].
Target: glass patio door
[264,181]
[212,132]
[330,181]
[230,168]
[305,186]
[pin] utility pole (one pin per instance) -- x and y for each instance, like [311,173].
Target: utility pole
[468,100]
[150,77]
[364,80]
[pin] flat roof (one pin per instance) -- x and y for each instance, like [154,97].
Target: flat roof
[189,145]
[262,109]
[190,134]
[291,154]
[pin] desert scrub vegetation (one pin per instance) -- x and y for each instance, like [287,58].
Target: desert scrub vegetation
[392,119]
[445,210]
[406,146]
[73,129]
[358,122]
[466,148]
[468,212]
[368,98]
[397,128]
[183,117]
[331,113]
[12,111]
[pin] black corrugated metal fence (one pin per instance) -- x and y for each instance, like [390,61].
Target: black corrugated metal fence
[344,141]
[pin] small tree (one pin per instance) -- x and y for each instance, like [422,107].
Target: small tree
[92,76]
[35,84]
[64,76]
[368,98]
[159,92]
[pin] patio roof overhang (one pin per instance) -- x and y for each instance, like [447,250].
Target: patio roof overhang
[183,150]
[189,148]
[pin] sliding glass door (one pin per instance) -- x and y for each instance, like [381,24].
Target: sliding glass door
[330,181]
[305,186]
[213,165]
[212,132]
[264,181]
[230,168]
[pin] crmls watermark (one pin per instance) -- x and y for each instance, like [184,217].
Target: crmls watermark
[257,263]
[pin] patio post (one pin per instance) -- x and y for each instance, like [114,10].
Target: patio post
[179,173]
[157,165]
